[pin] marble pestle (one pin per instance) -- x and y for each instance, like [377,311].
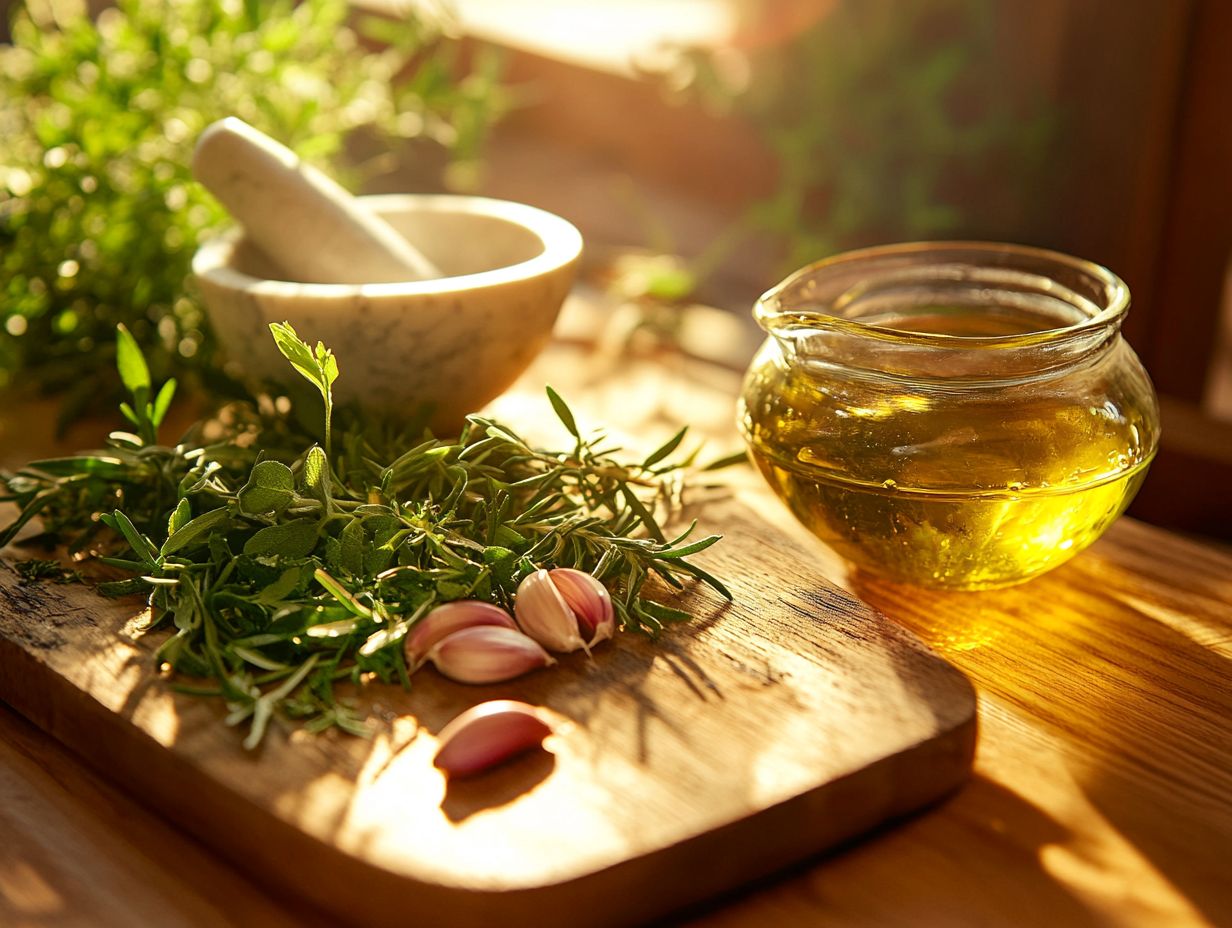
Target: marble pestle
[307,224]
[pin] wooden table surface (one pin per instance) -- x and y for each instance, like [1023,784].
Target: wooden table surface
[1102,792]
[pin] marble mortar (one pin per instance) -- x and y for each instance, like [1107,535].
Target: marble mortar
[447,346]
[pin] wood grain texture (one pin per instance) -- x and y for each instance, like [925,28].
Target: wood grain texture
[1100,797]
[79,853]
[1101,788]
[773,727]
[1104,770]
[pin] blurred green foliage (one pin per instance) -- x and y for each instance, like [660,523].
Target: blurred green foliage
[99,216]
[889,120]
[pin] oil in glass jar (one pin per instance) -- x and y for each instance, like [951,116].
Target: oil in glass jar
[954,415]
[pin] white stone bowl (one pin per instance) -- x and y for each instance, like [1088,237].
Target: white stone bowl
[443,347]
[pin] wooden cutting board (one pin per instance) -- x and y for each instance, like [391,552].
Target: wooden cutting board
[769,729]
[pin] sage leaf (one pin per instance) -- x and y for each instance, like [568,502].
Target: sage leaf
[294,539]
[281,588]
[270,489]
[353,541]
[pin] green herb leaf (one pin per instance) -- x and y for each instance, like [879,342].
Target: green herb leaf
[294,539]
[270,489]
[180,517]
[342,594]
[689,549]
[263,710]
[141,546]
[92,465]
[730,460]
[644,515]
[162,402]
[317,366]
[316,467]
[115,588]
[275,606]
[195,531]
[563,412]
[666,448]
[353,543]
[281,588]
[133,370]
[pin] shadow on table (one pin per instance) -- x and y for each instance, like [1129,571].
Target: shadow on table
[1165,781]
[974,860]
[1127,666]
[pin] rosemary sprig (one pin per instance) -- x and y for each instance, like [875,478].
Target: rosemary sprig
[283,568]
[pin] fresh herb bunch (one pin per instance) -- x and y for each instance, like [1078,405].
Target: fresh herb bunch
[99,215]
[284,572]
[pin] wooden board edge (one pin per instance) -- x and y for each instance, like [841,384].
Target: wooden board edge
[818,822]
[813,822]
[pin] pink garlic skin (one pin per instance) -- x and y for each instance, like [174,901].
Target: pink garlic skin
[544,615]
[488,734]
[445,620]
[590,601]
[487,654]
[564,609]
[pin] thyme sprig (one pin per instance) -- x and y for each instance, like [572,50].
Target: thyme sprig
[283,568]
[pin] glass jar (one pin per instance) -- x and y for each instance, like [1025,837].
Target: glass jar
[952,414]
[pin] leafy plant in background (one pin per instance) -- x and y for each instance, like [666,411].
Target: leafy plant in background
[889,119]
[99,216]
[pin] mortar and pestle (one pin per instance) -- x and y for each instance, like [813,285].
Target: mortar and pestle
[433,304]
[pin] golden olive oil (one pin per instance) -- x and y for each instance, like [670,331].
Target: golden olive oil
[968,485]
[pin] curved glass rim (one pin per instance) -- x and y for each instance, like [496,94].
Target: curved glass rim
[770,312]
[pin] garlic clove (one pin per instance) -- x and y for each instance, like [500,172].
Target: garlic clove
[590,602]
[543,613]
[488,734]
[448,618]
[487,654]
